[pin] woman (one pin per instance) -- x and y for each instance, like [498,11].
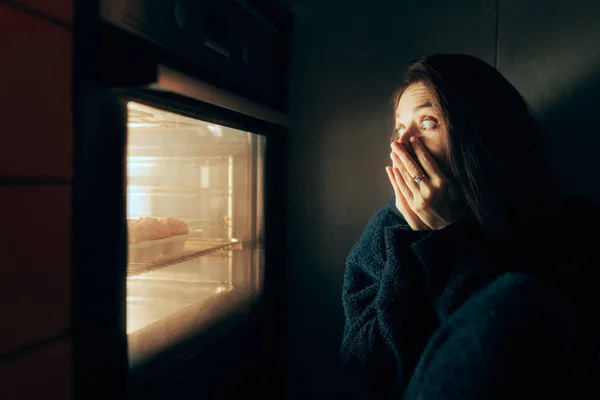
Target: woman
[462,287]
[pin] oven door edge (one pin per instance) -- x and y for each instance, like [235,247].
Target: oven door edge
[176,82]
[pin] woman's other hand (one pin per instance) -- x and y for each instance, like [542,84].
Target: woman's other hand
[431,202]
[401,204]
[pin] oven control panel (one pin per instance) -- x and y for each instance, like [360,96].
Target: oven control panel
[229,37]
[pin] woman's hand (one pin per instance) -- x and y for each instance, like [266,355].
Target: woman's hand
[402,205]
[429,203]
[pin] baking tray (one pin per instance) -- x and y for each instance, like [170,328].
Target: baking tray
[155,254]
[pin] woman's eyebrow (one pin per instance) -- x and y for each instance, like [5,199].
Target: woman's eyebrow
[424,105]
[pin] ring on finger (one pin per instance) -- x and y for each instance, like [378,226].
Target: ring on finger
[418,179]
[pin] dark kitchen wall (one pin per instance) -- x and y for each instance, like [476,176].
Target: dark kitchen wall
[549,50]
[347,58]
[35,198]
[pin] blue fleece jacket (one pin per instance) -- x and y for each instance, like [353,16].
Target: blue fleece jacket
[435,315]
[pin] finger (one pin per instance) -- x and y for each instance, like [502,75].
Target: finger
[396,162]
[400,190]
[411,218]
[407,177]
[402,177]
[410,164]
[426,160]
[409,181]
[390,173]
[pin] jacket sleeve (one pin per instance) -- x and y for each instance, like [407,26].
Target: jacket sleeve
[388,320]
[456,262]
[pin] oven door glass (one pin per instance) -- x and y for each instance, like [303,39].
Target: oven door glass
[195,222]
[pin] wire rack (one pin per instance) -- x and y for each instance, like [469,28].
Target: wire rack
[155,258]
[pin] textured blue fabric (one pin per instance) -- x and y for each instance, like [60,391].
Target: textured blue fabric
[514,339]
[438,312]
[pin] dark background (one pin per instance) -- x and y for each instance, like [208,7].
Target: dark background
[347,58]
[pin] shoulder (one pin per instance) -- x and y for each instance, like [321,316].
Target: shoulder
[515,325]
[515,308]
[514,294]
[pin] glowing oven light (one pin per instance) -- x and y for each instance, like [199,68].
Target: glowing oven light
[141,125]
[215,129]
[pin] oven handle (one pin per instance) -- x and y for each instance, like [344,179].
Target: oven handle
[176,82]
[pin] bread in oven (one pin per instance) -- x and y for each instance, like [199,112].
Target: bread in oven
[150,228]
[175,226]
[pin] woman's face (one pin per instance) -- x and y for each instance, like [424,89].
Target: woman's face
[416,116]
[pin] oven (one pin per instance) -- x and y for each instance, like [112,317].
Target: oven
[177,221]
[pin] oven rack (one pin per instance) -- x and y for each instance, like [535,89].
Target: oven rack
[194,247]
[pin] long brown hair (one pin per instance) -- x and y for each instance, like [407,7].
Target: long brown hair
[493,145]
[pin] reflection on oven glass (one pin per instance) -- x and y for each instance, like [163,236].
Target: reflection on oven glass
[192,205]
[158,294]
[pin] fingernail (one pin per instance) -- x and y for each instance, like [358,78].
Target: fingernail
[413,139]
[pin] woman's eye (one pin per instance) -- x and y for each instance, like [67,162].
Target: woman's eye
[428,124]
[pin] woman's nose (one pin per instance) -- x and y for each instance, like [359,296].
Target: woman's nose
[406,134]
